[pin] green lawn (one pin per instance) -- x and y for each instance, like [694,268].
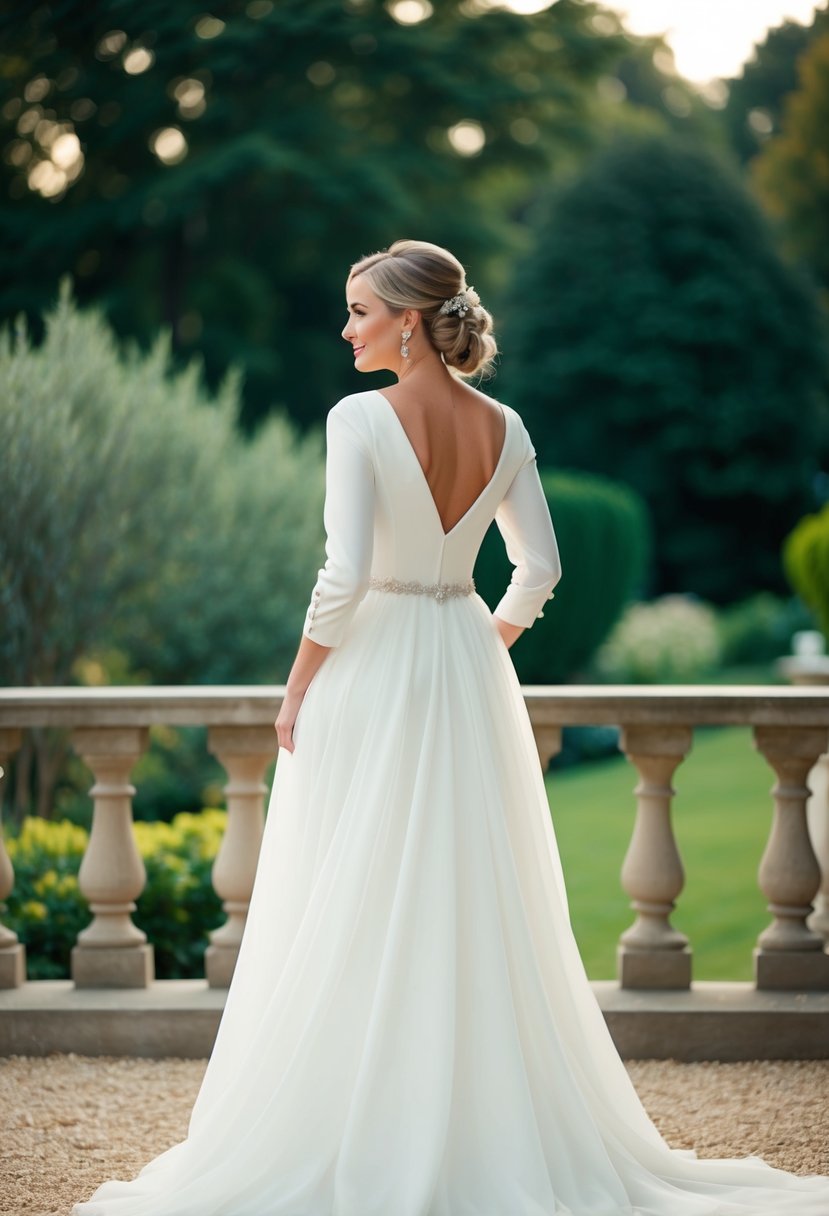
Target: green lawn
[722,814]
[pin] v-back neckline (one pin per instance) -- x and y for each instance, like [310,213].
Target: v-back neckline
[424,479]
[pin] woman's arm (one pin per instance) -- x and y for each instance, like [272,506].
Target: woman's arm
[523,519]
[309,658]
[342,582]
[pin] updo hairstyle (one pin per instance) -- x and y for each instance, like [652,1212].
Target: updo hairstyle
[417,274]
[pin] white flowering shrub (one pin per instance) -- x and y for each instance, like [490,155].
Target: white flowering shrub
[674,639]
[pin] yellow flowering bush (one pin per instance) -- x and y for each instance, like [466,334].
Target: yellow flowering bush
[177,908]
[46,908]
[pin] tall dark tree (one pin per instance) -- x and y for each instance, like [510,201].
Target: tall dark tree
[217,172]
[659,337]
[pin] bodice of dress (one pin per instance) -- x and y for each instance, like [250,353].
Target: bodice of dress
[381,520]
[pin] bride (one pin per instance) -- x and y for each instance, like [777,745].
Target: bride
[409,1030]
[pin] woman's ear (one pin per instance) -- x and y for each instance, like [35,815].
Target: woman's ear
[411,318]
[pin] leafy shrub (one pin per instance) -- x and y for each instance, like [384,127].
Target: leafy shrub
[137,518]
[669,640]
[178,906]
[46,908]
[806,562]
[760,629]
[603,532]
[174,773]
[176,909]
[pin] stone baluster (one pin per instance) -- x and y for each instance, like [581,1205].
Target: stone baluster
[111,952]
[548,742]
[12,952]
[651,953]
[790,955]
[817,812]
[244,752]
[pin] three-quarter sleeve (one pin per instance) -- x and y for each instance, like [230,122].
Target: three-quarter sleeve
[348,516]
[523,519]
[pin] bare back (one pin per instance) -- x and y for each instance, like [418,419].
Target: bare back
[457,443]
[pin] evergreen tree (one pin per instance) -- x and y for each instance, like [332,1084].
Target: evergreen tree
[658,337]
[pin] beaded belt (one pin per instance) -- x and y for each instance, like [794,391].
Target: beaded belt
[438,591]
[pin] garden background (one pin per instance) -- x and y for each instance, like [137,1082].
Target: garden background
[182,192]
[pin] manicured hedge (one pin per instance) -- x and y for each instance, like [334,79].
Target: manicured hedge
[806,561]
[604,536]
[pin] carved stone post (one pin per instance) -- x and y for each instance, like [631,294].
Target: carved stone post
[548,742]
[112,952]
[651,953]
[817,813]
[12,952]
[789,954]
[244,752]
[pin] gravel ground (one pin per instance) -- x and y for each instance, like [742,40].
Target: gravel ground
[69,1122]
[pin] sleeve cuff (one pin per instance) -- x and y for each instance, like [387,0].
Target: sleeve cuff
[521,606]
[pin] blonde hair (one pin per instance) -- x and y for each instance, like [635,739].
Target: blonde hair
[419,275]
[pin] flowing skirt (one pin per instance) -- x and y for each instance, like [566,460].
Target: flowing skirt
[410,1031]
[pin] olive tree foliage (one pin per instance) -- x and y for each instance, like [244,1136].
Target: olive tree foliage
[134,516]
[657,336]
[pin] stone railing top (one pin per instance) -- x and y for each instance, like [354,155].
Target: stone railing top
[548,705]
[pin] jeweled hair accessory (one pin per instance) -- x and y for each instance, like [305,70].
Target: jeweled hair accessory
[460,303]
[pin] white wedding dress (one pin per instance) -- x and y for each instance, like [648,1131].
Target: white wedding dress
[410,1031]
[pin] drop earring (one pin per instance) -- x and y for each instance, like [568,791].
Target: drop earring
[404,350]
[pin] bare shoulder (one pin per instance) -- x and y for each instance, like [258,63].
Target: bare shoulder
[463,394]
[476,399]
[486,414]
[395,393]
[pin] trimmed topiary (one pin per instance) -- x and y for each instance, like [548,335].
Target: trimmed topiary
[806,562]
[604,536]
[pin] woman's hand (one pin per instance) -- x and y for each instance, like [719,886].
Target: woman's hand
[286,719]
[309,659]
[509,633]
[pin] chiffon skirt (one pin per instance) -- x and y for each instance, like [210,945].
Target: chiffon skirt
[410,1031]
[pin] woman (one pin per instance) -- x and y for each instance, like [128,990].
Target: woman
[409,1031]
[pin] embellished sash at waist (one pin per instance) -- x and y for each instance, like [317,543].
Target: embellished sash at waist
[438,591]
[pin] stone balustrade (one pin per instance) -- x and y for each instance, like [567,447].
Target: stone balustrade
[109,728]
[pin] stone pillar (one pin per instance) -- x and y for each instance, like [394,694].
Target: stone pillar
[112,952]
[651,953]
[548,742]
[817,812]
[12,952]
[790,955]
[244,752]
